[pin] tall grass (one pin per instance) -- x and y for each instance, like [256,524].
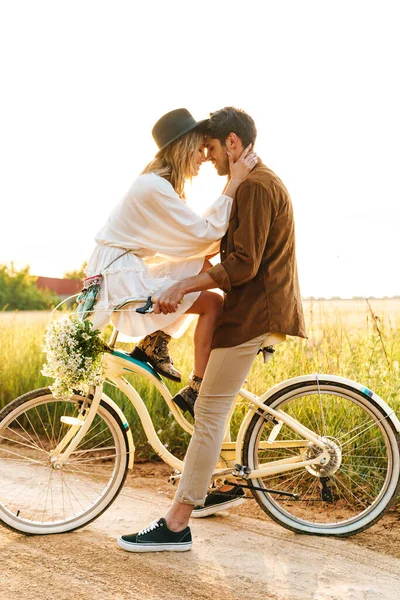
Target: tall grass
[343,340]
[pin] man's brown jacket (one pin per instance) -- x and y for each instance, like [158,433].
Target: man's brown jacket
[258,270]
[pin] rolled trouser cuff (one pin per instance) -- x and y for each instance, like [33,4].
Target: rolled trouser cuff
[191,501]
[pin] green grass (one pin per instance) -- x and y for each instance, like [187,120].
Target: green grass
[353,348]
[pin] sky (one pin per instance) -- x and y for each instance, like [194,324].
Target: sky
[83,82]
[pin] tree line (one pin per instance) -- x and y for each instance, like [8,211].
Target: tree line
[18,290]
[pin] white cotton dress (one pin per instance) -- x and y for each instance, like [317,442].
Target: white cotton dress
[167,241]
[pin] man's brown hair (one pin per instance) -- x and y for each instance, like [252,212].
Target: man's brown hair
[231,120]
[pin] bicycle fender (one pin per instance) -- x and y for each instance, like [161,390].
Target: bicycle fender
[125,423]
[340,380]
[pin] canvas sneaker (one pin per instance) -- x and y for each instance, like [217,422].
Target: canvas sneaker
[216,501]
[156,538]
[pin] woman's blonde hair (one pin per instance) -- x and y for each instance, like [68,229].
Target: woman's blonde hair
[176,162]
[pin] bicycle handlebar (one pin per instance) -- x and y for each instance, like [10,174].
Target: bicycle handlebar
[143,310]
[146,309]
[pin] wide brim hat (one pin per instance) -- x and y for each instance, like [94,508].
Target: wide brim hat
[174,125]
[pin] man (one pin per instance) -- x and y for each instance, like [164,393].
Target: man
[258,274]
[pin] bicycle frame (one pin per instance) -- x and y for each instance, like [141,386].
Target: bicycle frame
[118,364]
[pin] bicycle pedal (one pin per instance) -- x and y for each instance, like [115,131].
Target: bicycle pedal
[241,471]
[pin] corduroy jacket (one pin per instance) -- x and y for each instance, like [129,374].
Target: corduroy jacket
[258,269]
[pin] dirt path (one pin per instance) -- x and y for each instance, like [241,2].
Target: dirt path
[237,555]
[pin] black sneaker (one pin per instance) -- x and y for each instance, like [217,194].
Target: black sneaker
[216,501]
[156,538]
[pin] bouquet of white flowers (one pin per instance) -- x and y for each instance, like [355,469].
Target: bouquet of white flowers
[74,352]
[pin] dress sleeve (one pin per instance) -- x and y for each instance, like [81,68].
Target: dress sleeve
[255,218]
[176,230]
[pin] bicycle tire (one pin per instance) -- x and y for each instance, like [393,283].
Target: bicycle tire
[338,502]
[76,494]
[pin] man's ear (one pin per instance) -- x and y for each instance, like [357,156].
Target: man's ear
[232,141]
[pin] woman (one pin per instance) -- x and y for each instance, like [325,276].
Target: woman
[152,239]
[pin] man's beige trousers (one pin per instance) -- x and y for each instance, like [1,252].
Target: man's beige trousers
[226,371]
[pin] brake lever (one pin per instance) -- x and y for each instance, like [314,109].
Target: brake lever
[147,308]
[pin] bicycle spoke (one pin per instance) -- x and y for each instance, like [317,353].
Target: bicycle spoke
[99,445]
[367,427]
[35,432]
[30,437]
[350,493]
[83,481]
[93,427]
[26,458]
[43,425]
[18,443]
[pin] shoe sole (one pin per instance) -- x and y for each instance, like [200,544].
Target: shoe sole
[129,547]
[142,356]
[211,510]
[184,406]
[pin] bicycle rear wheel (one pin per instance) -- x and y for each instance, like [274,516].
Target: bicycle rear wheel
[37,498]
[362,477]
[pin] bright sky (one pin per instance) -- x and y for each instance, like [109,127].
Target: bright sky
[83,82]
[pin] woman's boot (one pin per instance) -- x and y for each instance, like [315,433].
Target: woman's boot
[187,397]
[154,349]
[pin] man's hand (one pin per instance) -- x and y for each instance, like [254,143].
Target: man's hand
[169,300]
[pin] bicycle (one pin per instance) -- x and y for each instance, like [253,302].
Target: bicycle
[319,453]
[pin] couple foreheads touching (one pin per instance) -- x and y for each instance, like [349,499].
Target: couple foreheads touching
[154,244]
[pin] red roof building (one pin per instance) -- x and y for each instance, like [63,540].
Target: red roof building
[62,287]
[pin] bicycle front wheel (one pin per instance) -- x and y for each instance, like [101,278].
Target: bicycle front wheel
[36,497]
[362,477]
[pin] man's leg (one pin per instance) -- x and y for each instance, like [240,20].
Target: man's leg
[226,371]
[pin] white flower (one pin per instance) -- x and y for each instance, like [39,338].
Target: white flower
[74,352]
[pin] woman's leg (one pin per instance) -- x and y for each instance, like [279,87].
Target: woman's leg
[209,308]
[154,346]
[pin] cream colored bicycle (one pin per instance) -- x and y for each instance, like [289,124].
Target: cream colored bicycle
[319,453]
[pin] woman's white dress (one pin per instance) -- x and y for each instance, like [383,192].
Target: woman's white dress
[167,241]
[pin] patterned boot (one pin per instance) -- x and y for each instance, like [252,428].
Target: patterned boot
[154,349]
[186,398]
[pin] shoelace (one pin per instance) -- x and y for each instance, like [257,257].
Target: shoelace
[154,525]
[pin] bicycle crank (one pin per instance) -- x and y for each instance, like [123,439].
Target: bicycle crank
[243,472]
[260,489]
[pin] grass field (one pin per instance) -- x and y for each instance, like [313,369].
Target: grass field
[346,337]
